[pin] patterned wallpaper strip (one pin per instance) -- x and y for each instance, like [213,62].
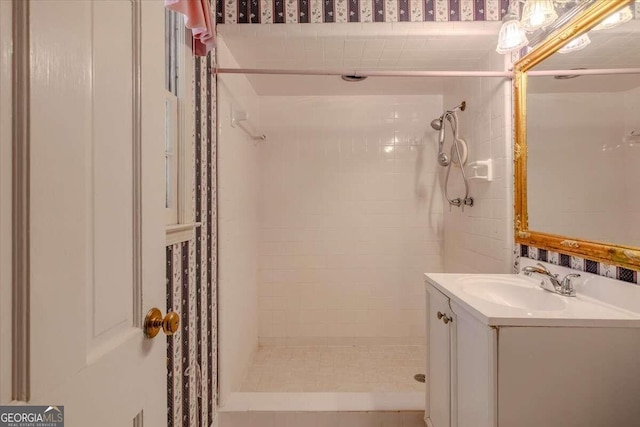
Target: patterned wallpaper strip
[201,200]
[326,11]
[304,12]
[191,278]
[354,11]
[171,360]
[177,347]
[577,263]
[211,232]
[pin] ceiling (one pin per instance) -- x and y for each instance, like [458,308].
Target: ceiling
[433,46]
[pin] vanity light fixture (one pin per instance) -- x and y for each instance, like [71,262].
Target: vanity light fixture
[540,18]
[512,36]
[578,43]
[538,14]
[613,20]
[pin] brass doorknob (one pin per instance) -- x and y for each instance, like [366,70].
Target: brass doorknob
[154,321]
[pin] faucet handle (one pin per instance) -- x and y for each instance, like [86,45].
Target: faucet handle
[546,270]
[567,286]
[570,276]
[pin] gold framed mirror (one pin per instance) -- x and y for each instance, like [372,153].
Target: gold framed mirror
[619,253]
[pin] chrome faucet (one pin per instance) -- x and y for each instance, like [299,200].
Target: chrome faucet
[563,287]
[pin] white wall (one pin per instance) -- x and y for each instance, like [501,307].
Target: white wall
[480,239]
[350,218]
[582,177]
[237,228]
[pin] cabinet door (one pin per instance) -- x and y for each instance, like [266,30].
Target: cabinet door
[474,367]
[439,365]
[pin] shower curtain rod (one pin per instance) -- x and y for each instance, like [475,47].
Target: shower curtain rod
[364,73]
[388,73]
[595,71]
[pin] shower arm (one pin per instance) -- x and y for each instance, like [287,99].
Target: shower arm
[447,115]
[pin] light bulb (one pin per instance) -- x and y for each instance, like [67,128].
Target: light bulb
[537,14]
[578,43]
[511,37]
[615,19]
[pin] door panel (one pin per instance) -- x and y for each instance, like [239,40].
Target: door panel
[60,128]
[90,205]
[111,188]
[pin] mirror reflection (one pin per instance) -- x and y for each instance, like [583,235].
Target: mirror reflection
[583,135]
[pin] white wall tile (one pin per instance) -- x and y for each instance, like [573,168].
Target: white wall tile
[349,203]
[479,239]
[238,231]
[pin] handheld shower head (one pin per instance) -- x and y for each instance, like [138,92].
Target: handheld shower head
[436,124]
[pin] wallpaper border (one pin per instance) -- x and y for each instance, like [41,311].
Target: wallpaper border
[573,262]
[338,11]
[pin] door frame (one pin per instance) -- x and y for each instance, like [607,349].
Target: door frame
[14,200]
[6,186]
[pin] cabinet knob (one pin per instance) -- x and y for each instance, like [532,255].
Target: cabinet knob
[444,318]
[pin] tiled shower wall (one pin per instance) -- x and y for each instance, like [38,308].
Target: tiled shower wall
[238,227]
[479,239]
[350,215]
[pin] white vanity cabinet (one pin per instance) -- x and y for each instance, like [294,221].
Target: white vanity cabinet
[489,369]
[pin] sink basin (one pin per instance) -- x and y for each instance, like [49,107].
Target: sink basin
[518,300]
[515,291]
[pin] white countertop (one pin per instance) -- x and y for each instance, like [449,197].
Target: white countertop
[472,292]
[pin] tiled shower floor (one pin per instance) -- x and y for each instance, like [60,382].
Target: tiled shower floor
[336,368]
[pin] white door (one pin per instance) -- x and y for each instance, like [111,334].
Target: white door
[97,231]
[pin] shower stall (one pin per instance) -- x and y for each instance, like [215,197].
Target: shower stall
[327,225]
